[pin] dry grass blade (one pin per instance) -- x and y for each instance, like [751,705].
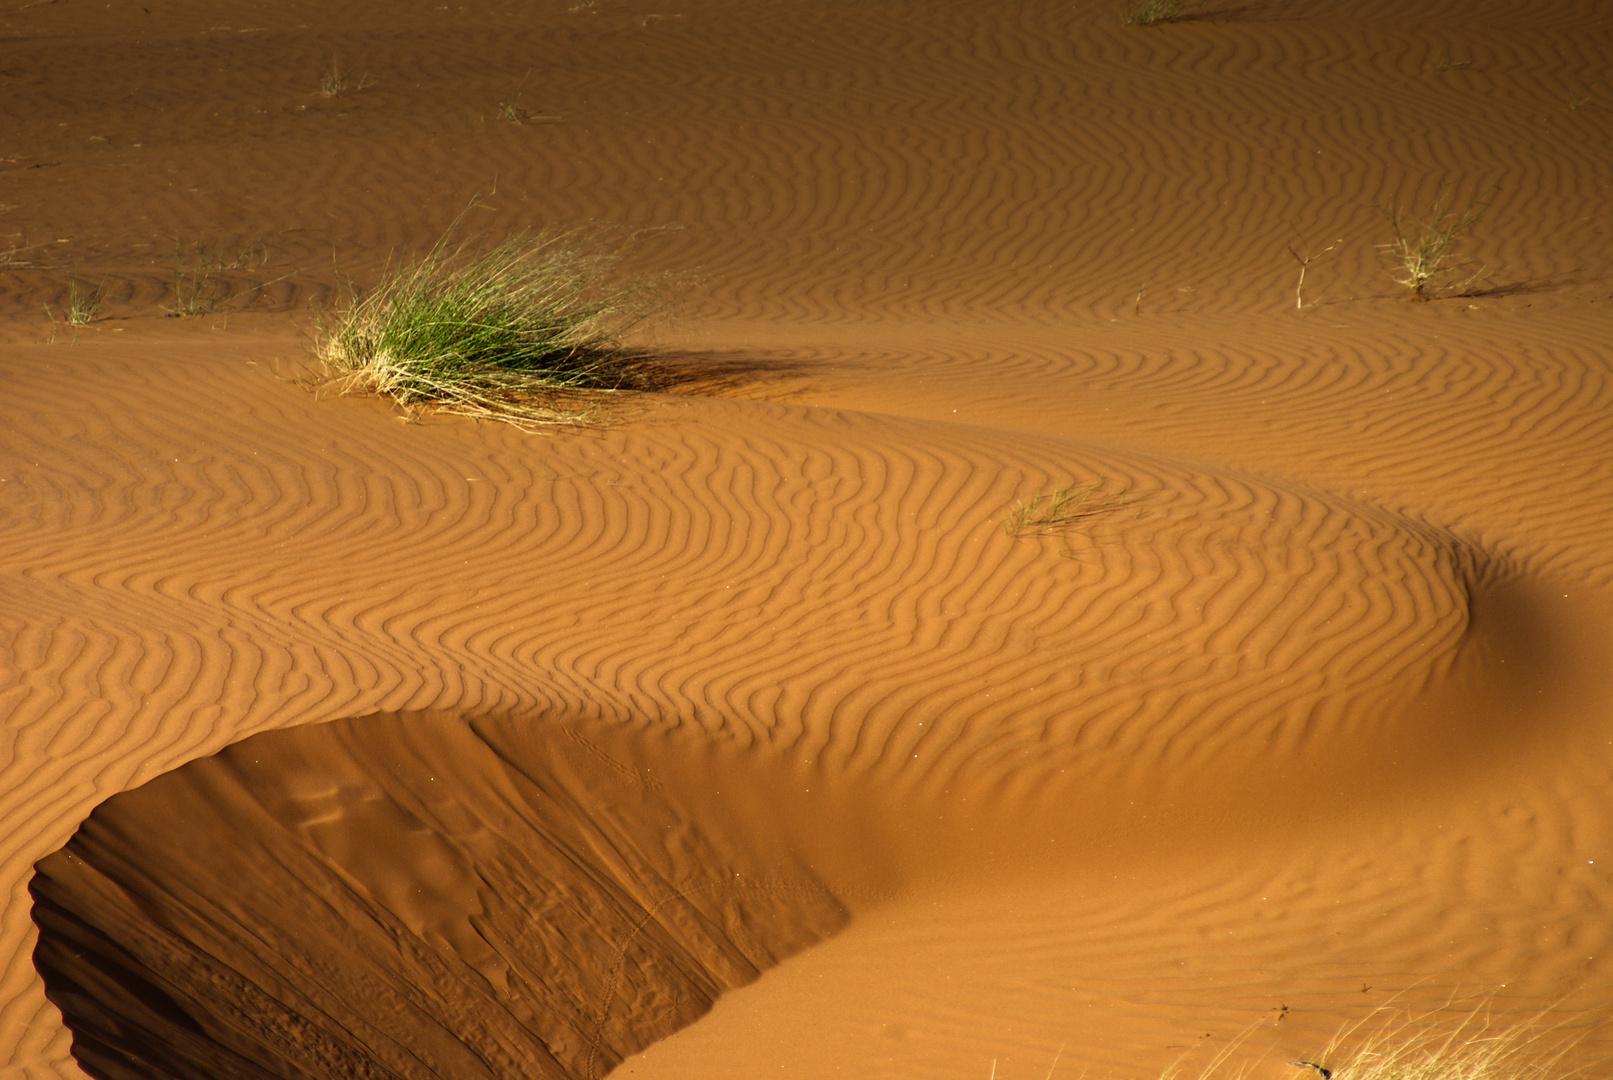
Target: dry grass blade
[527,333]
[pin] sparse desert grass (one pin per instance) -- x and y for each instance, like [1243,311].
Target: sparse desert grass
[336,81]
[1423,253]
[201,284]
[527,333]
[1397,1045]
[1062,508]
[1153,12]
[82,307]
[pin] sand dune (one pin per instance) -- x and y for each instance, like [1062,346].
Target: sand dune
[1308,716]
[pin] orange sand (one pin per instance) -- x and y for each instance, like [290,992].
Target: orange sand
[1312,717]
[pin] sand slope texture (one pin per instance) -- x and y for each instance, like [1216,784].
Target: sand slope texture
[743,735]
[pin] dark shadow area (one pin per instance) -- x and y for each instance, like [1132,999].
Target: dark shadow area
[420,896]
[1524,287]
[706,372]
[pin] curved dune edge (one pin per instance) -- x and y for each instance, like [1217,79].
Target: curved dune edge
[1333,714]
[421,897]
[1213,653]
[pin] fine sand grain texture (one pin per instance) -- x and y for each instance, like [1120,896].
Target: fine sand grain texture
[742,734]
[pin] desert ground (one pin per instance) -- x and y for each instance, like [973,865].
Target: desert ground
[758,728]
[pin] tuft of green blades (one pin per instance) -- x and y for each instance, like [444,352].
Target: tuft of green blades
[526,333]
[1066,506]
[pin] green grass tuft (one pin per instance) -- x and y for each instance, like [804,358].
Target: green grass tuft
[1065,507]
[83,307]
[1422,254]
[1153,12]
[527,333]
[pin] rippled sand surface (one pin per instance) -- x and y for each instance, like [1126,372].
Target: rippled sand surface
[739,736]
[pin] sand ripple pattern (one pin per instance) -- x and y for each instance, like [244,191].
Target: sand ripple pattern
[834,587]
[1017,166]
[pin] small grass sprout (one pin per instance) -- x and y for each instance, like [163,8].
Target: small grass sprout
[510,111]
[527,333]
[1423,253]
[82,307]
[1064,507]
[1154,12]
[336,81]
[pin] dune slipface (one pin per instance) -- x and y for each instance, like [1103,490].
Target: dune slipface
[419,896]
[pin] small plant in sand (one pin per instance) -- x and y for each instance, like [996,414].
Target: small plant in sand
[511,112]
[1423,253]
[1064,507]
[1153,12]
[200,284]
[82,307]
[336,81]
[527,333]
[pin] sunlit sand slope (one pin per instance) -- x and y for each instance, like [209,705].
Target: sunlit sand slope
[1315,699]
[834,588]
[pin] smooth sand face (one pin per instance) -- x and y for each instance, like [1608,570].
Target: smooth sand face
[1310,716]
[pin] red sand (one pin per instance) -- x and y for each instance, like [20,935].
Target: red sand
[1312,718]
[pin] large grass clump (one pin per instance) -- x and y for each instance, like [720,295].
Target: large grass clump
[527,333]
